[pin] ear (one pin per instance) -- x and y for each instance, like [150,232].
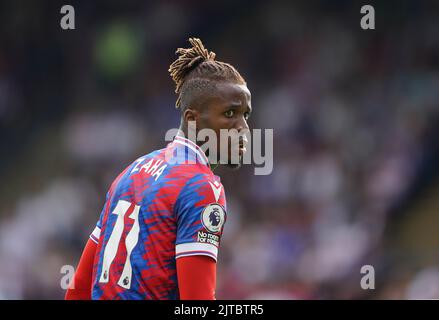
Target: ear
[190,115]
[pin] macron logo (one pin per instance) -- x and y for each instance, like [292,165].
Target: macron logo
[216,188]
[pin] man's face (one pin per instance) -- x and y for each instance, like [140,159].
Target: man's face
[229,108]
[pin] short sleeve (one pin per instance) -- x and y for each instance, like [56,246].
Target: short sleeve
[201,214]
[97,230]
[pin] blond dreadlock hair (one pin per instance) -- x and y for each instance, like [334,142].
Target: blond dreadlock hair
[194,70]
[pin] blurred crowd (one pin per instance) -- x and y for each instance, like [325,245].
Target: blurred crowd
[353,114]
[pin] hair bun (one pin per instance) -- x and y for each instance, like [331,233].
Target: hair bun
[189,59]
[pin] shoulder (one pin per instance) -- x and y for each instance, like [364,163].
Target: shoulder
[202,187]
[187,173]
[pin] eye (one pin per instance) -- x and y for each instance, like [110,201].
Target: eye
[246,115]
[229,113]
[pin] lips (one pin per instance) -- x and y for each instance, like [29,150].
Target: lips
[243,144]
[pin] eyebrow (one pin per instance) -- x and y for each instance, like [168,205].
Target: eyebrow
[235,105]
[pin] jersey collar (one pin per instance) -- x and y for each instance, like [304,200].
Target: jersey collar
[201,156]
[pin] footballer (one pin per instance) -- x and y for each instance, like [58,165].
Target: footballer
[159,231]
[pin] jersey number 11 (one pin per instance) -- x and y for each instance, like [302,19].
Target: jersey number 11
[131,240]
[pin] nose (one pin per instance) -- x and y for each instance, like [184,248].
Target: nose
[241,124]
[242,128]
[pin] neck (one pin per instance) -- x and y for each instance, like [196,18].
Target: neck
[184,132]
